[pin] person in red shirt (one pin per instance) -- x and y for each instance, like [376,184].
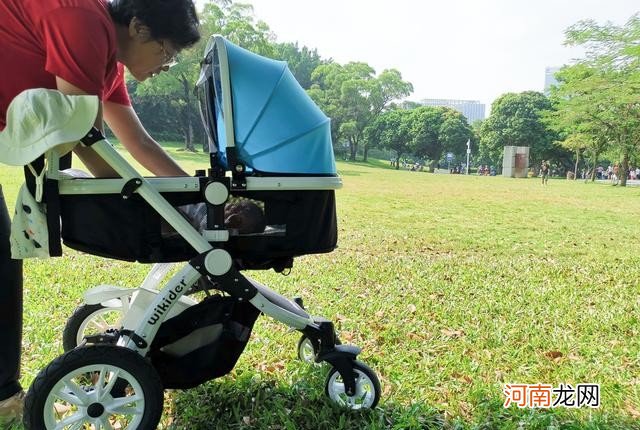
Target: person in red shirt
[81,47]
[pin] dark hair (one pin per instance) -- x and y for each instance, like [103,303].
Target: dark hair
[172,20]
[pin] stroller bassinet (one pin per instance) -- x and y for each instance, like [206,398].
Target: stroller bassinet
[131,230]
[263,127]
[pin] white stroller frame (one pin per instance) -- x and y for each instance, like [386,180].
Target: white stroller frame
[350,383]
[218,261]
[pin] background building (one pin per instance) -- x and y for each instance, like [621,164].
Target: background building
[473,110]
[549,78]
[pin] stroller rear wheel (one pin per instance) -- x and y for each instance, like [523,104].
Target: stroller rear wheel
[77,391]
[367,392]
[89,320]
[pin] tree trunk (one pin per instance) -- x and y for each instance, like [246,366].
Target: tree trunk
[188,126]
[188,138]
[575,168]
[398,161]
[624,169]
[366,152]
[595,166]
[353,148]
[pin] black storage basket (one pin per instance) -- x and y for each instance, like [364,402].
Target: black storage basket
[112,227]
[213,359]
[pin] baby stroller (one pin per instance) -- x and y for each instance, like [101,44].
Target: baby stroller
[268,143]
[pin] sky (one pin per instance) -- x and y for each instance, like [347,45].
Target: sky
[454,49]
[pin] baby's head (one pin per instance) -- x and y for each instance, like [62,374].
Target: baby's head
[245,216]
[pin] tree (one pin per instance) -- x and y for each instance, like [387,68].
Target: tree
[234,21]
[599,96]
[426,122]
[392,130]
[577,143]
[408,104]
[454,133]
[353,97]
[579,111]
[517,120]
[302,61]
[388,87]
[176,87]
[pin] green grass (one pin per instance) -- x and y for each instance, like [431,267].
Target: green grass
[452,285]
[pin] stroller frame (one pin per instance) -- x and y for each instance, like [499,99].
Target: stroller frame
[139,329]
[350,383]
[212,262]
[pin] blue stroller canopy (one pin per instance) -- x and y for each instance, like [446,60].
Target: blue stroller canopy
[255,104]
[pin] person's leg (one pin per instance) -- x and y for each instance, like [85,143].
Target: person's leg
[10,310]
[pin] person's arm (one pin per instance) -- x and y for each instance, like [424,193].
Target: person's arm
[91,160]
[126,125]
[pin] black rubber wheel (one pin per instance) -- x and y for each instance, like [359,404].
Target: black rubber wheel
[89,320]
[367,388]
[76,390]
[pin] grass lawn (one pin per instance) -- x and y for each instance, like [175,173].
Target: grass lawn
[452,285]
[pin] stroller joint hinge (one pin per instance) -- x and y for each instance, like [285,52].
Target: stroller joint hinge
[236,285]
[231,282]
[94,135]
[239,184]
[140,342]
[130,187]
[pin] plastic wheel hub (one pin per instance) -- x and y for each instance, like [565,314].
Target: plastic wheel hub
[95,410]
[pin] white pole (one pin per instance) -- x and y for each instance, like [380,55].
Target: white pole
[467,163]
[468,153]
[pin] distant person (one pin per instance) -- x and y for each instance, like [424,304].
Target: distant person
[544,172]
[615,176]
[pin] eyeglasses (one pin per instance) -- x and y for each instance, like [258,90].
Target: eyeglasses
[169,58]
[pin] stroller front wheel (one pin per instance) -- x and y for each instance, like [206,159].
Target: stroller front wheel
[79,390]
[367,392]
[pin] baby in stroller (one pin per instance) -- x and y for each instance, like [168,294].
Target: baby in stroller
[267,198]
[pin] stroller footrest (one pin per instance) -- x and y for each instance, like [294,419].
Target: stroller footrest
[280,301]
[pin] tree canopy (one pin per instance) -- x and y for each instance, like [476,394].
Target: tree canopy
[517,120]
[593,112]
[353,96]
[426,132]
[597,100]
[234,21]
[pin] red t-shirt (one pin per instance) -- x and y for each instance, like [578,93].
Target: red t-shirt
[72,39]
